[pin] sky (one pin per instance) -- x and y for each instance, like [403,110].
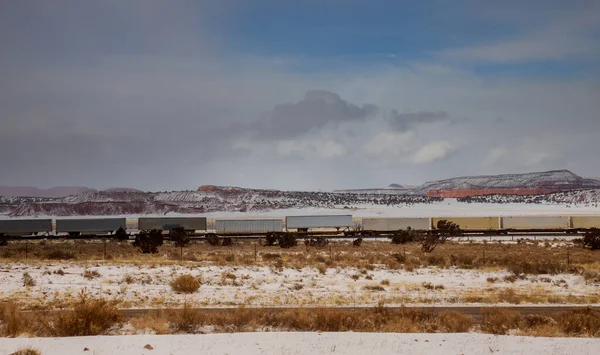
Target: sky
[303,95]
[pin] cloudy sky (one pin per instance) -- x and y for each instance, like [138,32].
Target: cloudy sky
[166,95]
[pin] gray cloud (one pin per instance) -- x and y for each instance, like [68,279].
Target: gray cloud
[317,109]
[407,120]
[156,101]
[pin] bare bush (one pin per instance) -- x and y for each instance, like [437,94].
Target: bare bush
[27,351]
[591,239]
[445,230]
[148,242]
[121,234]
[14,322]
[185,284]
[60,255]
[406,236]
[499,321]
[179,237]
[28,281]
[90,316]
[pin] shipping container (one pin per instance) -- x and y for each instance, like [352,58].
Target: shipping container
[471,223]
[19,227]
[248,225]
[585,222]
[394,224]
[168,223]
[325,221]
[95,225]
[536,222]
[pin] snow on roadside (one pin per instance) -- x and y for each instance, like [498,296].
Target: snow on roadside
[306,343]
[141,286]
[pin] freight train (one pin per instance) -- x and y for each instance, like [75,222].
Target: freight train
[323,224]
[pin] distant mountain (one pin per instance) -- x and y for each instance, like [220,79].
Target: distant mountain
[216,199]
[55,192]
[507,184]
[392,189]
[28,191]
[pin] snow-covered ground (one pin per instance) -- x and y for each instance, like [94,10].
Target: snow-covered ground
[147,286]
[446,208]
[306,343]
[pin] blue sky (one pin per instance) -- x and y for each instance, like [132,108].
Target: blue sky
[409,91]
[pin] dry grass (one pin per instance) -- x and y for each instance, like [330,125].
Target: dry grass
[27,351]
[90,316]
[28,281]
[524,258]
[13,322]
[93,316]
[581,323]
[185,284]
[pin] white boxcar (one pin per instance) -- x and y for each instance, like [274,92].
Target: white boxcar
[168,223]
[248,225]
[536,222]
[92,225]
[325,221]
[585,222]
[18,227]
[470,223]
[394,224]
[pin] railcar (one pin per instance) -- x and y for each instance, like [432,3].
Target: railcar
[189,224]
[304,223]
[90,226]
[21,227]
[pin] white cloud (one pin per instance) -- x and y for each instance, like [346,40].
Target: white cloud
[432,152]
[495,155]
[323,148]
[395,144]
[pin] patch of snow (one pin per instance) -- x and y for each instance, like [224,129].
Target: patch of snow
[306,343]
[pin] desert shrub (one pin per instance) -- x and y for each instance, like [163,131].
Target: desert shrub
[591,239]
[445,230]
[455,322]
[213,239]
[271,238]
[179,237]
[536,267]
[27,351]
[121,234]
[591,276]
[185,320]
[90,274]
[270,256]
[406,236]
[28,281]
[287,240]
[90,316]
[373,288]
[318,242]
[499,321]
[14,322]
[357,242]
[148,242]
[227,242]
[584,322]
[60,255]
[185,284]
[322,269]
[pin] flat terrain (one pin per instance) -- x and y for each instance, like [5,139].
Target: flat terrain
[378,272]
